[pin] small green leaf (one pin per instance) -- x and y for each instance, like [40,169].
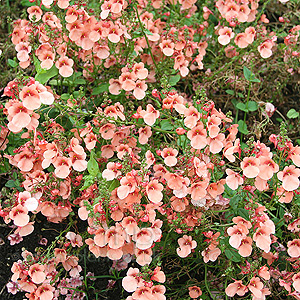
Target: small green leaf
[292,114]
[233,255]
[115,183]
[65,96]
[148,32]
[10,184]
[230,92]
[240,95]
[249,75]
[242,127]
[100,89]
[12,63]
[242,212]
[79,81]
[92,166]
[241,106]
[44,75]
[174,79]
[234,201]
[166,125]
[252,106]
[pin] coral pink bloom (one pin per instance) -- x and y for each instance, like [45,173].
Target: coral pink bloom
[45,292]
[76,239]
[237,233]
[37,274]
[30,97]
[213,123]
[216,144]
[90,141]
[241,40]
[289,177]
[197,135]
[236,287]
[154,191]
[267,168]
[62,167]
[130,225]
[112,171]
[158,292]
[144,135]
[132,280]
[264,273]
[200,167]
[74,143]
[64,65]
[19,215]
[210,254]
[140,71]
[143,257]
[265,49]
[245,247]
[250,31]
[144,238]
[78,161]
[262,238]
[294,155]
[167,47]
[186,245]
[296,282]
[20,115]
[60,255]
[198,189]
[250,166]
[25,160]
[115,86]
[150,115]
[233,179]
[194,292]
[140,89]
[255,286]
[169,155]
[191,117]
[294,248]
[107,131]
[127,186]
[35,13]
[127,80]
[174,181]
[143,293]
[225,35]
[242,221]
[114,237]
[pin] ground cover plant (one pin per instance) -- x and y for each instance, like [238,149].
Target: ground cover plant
[150,150]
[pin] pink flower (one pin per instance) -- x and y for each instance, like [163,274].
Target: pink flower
[197,135]
[64,65]
[19,214]
[250,167]
[265,49]
[294,248]
[233,180]
[194,292]
[225,35]
[236,287]
[150,115]
[140,89]
[289,177]
[167,47]
[154,191]
[169,155]
[37,274]
[131,281]
[186,245]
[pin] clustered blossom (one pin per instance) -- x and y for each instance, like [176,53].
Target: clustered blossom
[129,189]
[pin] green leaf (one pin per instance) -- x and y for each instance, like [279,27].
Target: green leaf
[249,75]
[242,212]
[252,106]
[240,95]
[166,125]
[115,183]
[174,79]
[44,75]
[230,92]
[79,81]
[242,127]
[12,63]
[92,166]
[10,184]
[100,89]
[241,106]
[292,114]
[233,255]
[148,32]
[65,96]
[234,201]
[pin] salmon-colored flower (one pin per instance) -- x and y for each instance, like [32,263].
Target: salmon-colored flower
[132,280]
[236,287]
[144,238]
[237,233]
[62,167]
[45,292]
[35,13]
[265,49]
[264,273]
[144,134]
[296,282]
[150,115]
[154,191]
[194,292]
[262,238]
[186,245]
[225,35]
[169,155]
[140,89]
[37,274]
[64,65]
[19,214]
[211,253]
[191,117]
[233,179]
[167,47]
[245,247]
[255,286]
[289,177]
[267,168]
[294,248]
[241,40]
[197,135]
[250,166]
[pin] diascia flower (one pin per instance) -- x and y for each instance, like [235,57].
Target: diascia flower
[289,177]
[186,245]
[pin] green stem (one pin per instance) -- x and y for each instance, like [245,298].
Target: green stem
[206,283]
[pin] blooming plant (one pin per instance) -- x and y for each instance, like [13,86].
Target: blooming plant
[110,124]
